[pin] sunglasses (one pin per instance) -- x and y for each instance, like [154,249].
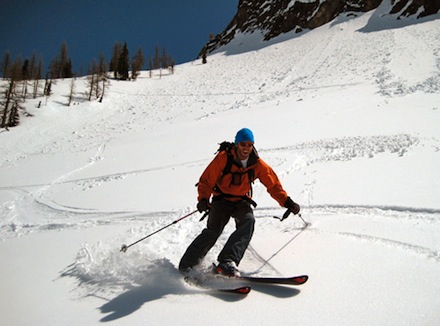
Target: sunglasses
[246,144]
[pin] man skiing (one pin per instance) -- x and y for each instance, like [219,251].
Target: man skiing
[228,180]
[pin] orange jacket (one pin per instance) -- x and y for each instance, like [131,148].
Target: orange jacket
[213,175]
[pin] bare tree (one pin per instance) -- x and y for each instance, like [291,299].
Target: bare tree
[8,91]
[163,61]
[97,86]
[5,64]
[156,58]
[71,91]
[48,89]
[33,66]
[104,81]
[137,64]
[37,78]
[14,117]
[92,80]
[10,95]
[102,75]
[102,66]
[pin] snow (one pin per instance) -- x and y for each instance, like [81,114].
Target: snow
[346,114]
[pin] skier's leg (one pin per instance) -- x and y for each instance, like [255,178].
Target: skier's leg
[219,216]
[239,240]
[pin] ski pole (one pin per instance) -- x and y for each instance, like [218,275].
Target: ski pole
[286,215]
[306,224]
[125,247]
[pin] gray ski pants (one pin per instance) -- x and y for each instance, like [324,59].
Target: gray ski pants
[219,215]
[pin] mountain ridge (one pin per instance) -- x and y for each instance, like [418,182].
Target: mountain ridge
[274,18]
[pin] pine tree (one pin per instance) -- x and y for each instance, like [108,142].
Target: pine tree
[203,54]
[61,66]
[114,62]
[25,74]
[67,69]
[54,68]
[123,63]
[65,62]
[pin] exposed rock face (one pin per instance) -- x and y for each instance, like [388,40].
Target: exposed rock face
[275,17]
[421,8]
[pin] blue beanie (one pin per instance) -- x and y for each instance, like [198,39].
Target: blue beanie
[244,134]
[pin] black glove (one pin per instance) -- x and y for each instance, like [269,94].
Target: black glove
[203,205]
[292,206]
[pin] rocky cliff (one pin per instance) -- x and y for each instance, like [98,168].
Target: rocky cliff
[275,17]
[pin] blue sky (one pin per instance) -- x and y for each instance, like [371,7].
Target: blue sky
[93,26]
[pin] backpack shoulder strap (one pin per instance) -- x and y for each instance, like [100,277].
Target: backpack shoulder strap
[229,162]
[227,147]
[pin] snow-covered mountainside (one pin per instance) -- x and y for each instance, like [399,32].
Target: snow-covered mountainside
[346,114]
[273,18]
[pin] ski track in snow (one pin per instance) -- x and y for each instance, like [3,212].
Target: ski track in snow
[47,211]
[324,150]
[97,267]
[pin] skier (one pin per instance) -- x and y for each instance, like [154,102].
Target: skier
[228,180]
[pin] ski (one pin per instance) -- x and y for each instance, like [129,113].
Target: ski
[241,290]
[294,280]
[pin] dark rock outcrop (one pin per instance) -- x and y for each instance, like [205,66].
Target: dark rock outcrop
[275,17]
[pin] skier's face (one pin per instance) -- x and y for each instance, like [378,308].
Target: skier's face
[244,149]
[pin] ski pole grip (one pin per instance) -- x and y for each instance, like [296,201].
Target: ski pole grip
[204,215]
[286,214]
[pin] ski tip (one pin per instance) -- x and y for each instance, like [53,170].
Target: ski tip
[241,290]
[244,290]
[301,279]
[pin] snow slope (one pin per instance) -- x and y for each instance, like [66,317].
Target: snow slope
[346,114]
